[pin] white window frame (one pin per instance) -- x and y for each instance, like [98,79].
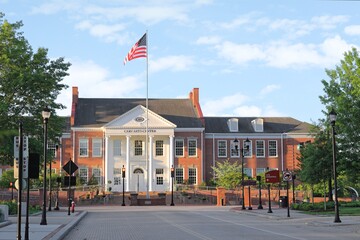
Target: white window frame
[83,147]
[222,148]
[248,172]
[272,148]
[138,150]
[159,148]
[248,153]
[260,170]
[96,173]
[97,147]
[179,175]
[179,148]
[193,176]
[52,148]
[192,150]
[260,148]
[83,176]
[117,147]
[233,152]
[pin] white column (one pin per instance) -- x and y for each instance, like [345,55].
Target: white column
[127,173]
[150,174]
[171,158]
[107,165]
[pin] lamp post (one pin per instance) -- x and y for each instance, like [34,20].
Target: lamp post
[332,117]
[172,185]
[258,178]
[46,115]
[123,182]
[247,146]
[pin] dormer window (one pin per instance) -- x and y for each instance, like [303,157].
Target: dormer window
[258,124]
[233,125]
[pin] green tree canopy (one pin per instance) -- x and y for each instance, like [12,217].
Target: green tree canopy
[342,93]
[29,81]
[228,175]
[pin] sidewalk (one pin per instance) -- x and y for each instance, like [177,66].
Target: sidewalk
[59,223]
[316,220]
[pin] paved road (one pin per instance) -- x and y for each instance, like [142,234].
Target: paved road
[206,223]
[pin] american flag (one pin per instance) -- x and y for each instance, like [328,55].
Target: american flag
[137,51]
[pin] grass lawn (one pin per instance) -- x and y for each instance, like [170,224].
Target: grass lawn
[348,211]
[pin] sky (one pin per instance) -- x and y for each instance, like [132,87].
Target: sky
[248,58]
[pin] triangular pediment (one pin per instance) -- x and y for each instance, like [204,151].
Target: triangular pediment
[136,118]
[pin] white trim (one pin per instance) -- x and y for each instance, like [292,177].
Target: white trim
[189,129]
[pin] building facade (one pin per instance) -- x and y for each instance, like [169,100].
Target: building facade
[106,135]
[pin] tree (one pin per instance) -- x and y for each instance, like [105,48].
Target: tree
[342,93]
[29,81]
[228,175]
[315,159]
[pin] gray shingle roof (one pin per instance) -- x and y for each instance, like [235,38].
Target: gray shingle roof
[96,112]
[271,125]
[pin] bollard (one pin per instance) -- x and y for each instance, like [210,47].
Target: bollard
[72,206]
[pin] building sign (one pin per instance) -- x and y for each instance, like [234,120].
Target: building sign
[139,131]
[272,176]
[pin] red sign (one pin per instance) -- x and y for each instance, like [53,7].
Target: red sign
[272,176]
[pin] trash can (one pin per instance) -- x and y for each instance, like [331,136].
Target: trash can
[283,202]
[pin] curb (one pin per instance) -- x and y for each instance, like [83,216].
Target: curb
[68,227]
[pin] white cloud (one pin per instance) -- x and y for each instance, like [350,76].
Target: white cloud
[208,40]
[284,54]
[174,63]
[240,53]
[269,89]
[219,106]
[352,30]
[94,81]
[329,22]
[109,33]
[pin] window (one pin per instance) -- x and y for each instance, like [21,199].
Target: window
[192,147]
[117,171]
[83,174]
[117,147]
[96,147]
[117,180]
[248,172]
[159,176]
[159,148]
[84,146]
[138,148]
[222,148]
[234,149]
[96,173]
[260,170]
[179,175]
[247,153]
[52,148]
[260,148]
[192,176]
[273,148]
[179,147]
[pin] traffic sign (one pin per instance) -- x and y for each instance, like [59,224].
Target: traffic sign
[287,176]
[272,176]
[25,156]
[70,167]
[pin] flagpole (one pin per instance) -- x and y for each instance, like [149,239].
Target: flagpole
[147,117]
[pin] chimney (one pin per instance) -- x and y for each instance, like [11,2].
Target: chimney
[75,97]
[194,97]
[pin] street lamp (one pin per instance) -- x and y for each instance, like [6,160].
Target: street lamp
[332,117]
[172,185]
[123,182]
[46,115]
[247,147]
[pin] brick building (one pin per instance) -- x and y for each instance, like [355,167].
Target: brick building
[107,134]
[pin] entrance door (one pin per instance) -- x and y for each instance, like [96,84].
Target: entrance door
[139,179]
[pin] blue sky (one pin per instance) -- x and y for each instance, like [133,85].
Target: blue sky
[248,58]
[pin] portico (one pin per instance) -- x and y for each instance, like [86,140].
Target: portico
[144,147]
